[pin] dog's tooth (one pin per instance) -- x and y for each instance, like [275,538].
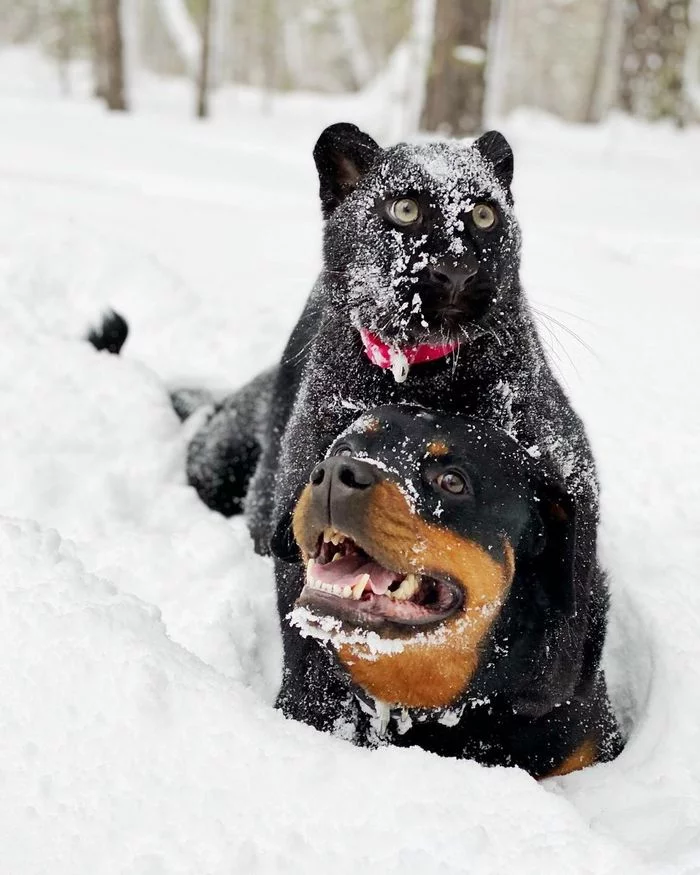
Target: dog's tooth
[412,579]
[327,536]
[347,591]
[336,556]
[409,586]
[310,567]
[359,586]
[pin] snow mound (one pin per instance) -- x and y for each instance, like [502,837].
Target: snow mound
[123,752]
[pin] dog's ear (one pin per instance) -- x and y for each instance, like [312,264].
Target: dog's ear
[547,641]
[495,148]
[554,547]
[283,545]
[343,154]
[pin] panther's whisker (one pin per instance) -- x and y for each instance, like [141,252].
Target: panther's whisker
[495,336]
[568,330]
[561,346]
[455,360]
[503,324]
[299,354]
[556,360]
[567,312]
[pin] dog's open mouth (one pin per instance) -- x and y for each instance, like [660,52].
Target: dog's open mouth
[344,581]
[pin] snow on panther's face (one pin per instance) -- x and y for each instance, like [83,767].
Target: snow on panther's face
[421,244]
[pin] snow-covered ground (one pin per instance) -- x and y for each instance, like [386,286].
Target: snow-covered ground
[138,640]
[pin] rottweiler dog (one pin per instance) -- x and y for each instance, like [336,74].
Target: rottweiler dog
[439,564]
[419,301]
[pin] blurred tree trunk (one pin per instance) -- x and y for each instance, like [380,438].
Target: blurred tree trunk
[182,30]
[691,75]
[359,60]
[99,59]
[108,53]
[65,19]
[653,57]
[456,86]
[203,73]
[266,59]
[594,111]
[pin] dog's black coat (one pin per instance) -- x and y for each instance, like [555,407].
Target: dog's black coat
[396,283]
[508,501]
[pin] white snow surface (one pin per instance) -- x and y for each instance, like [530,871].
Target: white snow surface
[139,645]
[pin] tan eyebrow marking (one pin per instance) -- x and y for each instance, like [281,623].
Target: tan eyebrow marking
[437,448]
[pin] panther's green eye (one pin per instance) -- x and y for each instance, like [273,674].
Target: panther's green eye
[484,217]
[404,211]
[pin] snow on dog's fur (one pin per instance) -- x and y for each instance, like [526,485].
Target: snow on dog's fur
[419,301]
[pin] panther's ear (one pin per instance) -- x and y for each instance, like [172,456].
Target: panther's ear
[554,548]
[495,148]
[343,154]
[282,543]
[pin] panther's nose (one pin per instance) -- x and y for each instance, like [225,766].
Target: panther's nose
[453,278]
[342,474]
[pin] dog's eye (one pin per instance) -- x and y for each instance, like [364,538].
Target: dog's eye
[454,482]
[404,211]
[342,450]
[484,217]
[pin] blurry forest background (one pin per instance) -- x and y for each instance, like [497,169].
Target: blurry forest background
[449,64]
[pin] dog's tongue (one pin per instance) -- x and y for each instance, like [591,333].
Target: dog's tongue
[400,359]
[347,570]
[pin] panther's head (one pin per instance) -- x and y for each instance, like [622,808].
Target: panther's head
[421,245]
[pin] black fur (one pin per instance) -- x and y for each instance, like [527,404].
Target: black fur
[111,334]
[222,455]
[506,716]
[398,283]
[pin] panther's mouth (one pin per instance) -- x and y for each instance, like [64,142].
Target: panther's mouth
[344,581]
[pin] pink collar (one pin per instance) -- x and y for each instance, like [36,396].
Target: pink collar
[384,356]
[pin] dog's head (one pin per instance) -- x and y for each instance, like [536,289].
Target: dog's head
[421,244]
[414,530]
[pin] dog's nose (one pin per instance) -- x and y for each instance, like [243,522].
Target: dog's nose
[343,474]
[340,491]
[453,278]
